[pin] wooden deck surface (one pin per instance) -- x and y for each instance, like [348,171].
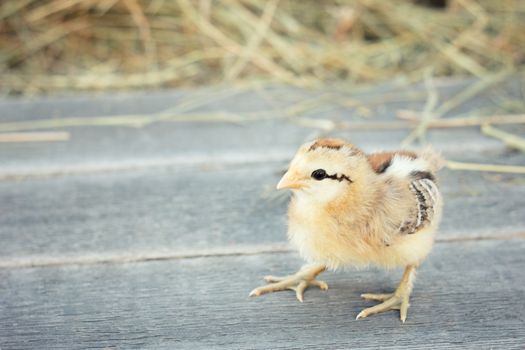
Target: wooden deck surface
[137,235]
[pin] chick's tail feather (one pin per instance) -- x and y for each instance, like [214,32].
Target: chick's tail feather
[434,158]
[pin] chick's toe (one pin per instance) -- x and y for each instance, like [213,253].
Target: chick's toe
[297,282]
[377,297]
[393,303]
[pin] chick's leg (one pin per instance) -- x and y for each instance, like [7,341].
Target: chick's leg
[298,282]
[394,301]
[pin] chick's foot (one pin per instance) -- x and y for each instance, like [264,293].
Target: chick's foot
[297,282]
[399,300]
[395,302]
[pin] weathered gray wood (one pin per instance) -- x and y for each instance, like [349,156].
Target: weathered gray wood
[177,190]
[194,208]
[179,143]
[468,295]
[167,144]
[234,99]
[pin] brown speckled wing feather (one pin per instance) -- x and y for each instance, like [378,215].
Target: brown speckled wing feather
[426,201]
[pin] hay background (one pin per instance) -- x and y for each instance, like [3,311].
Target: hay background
[57,45]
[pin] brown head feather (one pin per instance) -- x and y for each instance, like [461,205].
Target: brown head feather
[328,143]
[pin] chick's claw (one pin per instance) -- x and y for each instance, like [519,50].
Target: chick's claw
[298,282]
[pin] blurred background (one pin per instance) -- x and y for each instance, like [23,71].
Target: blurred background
[48,46]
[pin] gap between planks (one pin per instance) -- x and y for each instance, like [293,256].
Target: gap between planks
[240,250]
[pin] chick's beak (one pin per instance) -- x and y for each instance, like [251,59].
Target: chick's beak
[291,181]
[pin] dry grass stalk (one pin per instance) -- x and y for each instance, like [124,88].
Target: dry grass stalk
[509,139]
[428,114]
[512,169]
[34,137]
[458,122]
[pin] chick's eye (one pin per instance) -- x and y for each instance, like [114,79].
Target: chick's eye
[319,174]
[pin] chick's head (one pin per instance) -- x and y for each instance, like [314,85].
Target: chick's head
[327,169]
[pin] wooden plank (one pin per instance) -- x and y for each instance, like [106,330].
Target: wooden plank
[172,210]
[468,295]
[235,99]
[194,142]
[113,149]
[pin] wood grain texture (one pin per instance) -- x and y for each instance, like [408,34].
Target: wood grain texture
[468,295]
[200,142]
[176,209]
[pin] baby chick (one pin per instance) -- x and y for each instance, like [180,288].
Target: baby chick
[353,209]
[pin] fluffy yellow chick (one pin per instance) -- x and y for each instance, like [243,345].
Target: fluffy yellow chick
[350,209]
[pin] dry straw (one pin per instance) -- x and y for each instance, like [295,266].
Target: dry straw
[51,45]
